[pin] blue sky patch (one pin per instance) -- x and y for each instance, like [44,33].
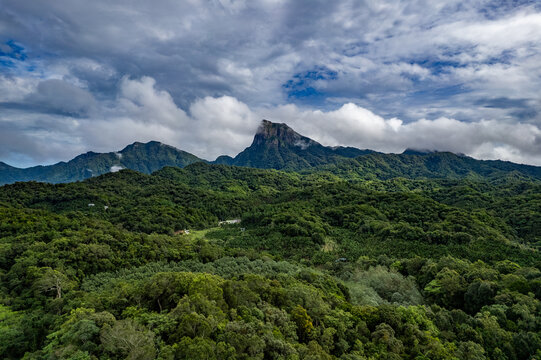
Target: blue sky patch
[11,54]
[12,50]
[303,86]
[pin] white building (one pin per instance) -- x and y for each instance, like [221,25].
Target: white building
[229,222]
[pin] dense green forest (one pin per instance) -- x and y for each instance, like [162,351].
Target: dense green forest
[335,262]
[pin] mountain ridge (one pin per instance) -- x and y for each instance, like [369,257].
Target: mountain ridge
[277,146]
[143,157]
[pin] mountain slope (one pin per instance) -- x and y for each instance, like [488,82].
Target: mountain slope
[418,165]
[382,274]
[277,146]
[145,158]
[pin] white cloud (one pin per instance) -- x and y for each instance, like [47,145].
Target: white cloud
[221,125]
[492,37]
[115,168]
[203,76]
[355,126]
[141,101]
[16,88]
[224,125]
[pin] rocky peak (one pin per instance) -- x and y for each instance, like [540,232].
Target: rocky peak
[269,132]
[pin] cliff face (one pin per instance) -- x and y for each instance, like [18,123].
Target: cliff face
[274,133]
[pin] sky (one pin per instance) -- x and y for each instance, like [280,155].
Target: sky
[79,75]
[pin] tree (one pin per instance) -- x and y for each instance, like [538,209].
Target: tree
[479,293]
[447,288]
[303,321]
[53,281]
[470,351]
[128,339]
[384,335]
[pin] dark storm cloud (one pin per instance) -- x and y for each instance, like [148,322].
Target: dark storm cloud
[163,68]
[521,109]
[55,97]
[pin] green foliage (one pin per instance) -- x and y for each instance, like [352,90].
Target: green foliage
[318,268]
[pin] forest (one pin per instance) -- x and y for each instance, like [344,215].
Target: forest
[333,262]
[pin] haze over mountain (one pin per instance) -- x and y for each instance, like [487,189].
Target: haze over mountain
[276,146]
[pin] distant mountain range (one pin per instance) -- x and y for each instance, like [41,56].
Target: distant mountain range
[277,146]
[145,158]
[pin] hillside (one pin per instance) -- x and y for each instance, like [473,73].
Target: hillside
[433,165]
[381,256]
[145,158]
[319,267]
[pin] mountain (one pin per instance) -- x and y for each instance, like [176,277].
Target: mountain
[142,157]
[416,164]
[277,146]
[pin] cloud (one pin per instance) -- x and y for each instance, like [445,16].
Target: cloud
[51,96]
[213,126]
[355,126]
[58,96]
[141,101]
[386,50]
[200,75]
[222,125]
[140,112]
[503,103]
